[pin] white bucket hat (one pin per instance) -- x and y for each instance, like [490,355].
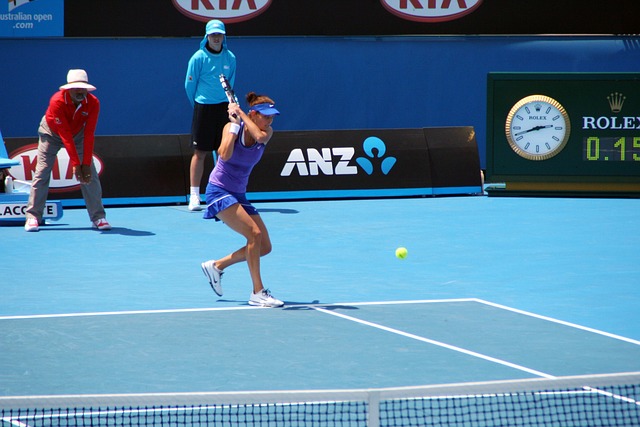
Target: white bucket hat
[78,79]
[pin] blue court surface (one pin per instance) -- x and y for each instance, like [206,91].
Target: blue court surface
[492,289]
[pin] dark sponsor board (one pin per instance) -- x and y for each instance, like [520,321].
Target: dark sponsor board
[179,18]
[296,165]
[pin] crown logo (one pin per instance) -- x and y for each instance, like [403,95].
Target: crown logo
[538,107]
[616,100]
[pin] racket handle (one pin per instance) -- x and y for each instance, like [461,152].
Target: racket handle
[228,92]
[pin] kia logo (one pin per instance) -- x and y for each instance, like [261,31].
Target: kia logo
[431,10]
[228,11]
[62,179]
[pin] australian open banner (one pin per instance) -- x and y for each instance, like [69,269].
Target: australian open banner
[31,18]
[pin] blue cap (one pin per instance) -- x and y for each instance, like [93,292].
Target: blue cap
[215,27]
[265,109]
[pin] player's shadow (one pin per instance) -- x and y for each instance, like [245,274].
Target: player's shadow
[292,305]
[314,305]
[282,211]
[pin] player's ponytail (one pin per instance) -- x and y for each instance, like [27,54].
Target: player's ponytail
[254,99]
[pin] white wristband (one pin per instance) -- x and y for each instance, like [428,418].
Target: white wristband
[234,128]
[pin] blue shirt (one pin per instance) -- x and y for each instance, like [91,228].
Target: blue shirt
[202,82]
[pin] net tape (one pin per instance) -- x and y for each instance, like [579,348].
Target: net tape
[608,400]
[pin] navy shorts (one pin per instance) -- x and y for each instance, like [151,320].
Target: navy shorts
[206,126]
[219,199]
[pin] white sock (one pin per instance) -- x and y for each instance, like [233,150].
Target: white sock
[195,191]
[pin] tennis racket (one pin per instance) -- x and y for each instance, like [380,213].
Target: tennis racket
[228,90]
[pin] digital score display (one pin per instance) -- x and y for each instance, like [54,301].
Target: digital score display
[611,149]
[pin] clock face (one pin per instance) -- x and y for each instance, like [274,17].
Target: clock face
[537,127]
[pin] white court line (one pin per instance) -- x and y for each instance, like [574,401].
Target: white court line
[612,395]
[314,305]
[206,309]
[123,313]
[560,322]
[438,343]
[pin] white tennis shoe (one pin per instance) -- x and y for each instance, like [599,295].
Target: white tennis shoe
[31,225]
[264,298]
[102,224]
[194,203]
[214,275]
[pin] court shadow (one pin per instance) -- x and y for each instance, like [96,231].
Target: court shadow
[292,305]
[115,230]
[127,232]
[239,302]
[15,224]
[282,211]
[289,305]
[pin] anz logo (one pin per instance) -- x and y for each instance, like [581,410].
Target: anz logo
[337,160]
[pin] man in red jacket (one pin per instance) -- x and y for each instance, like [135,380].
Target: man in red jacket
[69,122]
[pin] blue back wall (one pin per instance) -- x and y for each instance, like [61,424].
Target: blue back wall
[317,82]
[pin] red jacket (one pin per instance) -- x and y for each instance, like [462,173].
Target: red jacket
[66,121]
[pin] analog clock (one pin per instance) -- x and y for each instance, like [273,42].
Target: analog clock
[537,127]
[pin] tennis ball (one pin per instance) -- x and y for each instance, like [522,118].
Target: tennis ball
[401,253]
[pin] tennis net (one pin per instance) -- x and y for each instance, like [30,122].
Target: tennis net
[581,401]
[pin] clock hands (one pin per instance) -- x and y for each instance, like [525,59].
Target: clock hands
[535,128]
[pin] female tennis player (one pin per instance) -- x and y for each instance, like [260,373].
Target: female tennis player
[244,140]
